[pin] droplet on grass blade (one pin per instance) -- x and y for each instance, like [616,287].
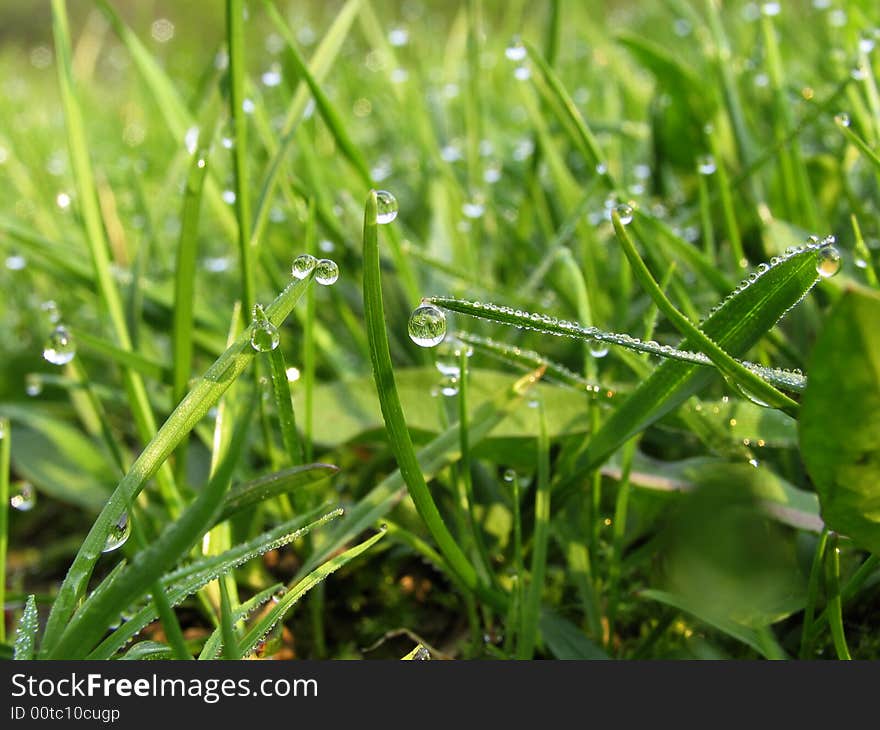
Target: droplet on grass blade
[23,497]
[516,51]
[625,212]
[118,534]
[427,325]
[60,348]
[326,272]
[264,334]
[303,266]
[827,261]
[386,207]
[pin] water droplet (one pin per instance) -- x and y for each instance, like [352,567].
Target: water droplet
[24,496]
[427,326]
[842,119]
[522,73]
[598,349]
[706,165]
[51,310]
[449,386]
[33,384]
[754,463]
[15,262]
[827,261]
[303,265]
[386,207]
[422,654]
[516,51]
[264,334]
[326,272]
[473,209]
[509,475]
[118,534]
[278,595]
[60,347]
[625,212]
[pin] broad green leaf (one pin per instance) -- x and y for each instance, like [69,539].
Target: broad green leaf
[78,473]
[840,418]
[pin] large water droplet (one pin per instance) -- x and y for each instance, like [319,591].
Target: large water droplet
[827,262]
[427,326]
[60,348]
[509,475]
[598,349]
[326,272]
[842,119]
[118,534]
[386,207]
[264,334]
[422,654]
[625,212]
[303,265]
[706,165]
[23,497]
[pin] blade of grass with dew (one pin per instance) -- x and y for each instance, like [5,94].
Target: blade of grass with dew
[528,635]
[273,485]
[185,581]
[26,633]
[745,378]
[5,451]
[395,422]
[99,609]
[215,641]
[227,627]
[204,394]
[834,610]
[78,149]
[256,632]
[792,381]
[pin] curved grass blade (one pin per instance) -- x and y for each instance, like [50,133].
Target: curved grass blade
[747,379]
[284,405]
[187,580]
[790,380]
[227,626]
[272,485]
[262,627]
[102,606]
[182,420]
[392,411]
[26,634]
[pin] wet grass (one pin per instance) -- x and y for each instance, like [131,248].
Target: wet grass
[615,450]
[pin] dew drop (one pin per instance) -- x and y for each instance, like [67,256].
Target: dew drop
[827,262]
[625,212]
[326,272]
[516,51]
[509,475]
[303,265]
[386,207]
[427,326]
[598,349]
[24,496]
[33,384]
[118,534]
[706,165]
[449,386]
[264,334]
[842,119]
[60,348]
[422,654]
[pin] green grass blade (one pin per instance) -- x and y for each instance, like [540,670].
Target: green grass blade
[834,608]
[26,634]
[227,627]
[185,274]
[532,608]
[195,405]
[5,451]
[273,485]
[215,641]
[392,411]
[235,39]
[746,378]
[287,601]
[284,405]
